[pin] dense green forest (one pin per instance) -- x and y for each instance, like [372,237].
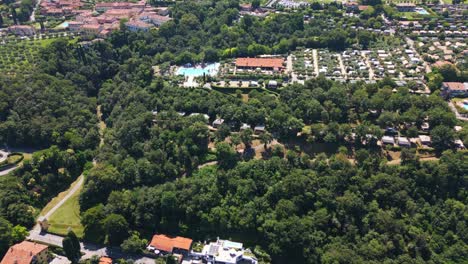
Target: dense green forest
[291,206]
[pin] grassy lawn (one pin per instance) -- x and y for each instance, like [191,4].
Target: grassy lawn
[67,216]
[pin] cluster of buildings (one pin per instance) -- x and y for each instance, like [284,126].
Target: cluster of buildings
[139,16]
[59,8]
[220,251]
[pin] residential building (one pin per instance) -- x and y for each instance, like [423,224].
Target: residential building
[226,252]
[406,7]
[404,142]
[155,19]
[259,129]
[272,84]
[22,30]
[136,25]
[388,140]
[218,122]
[91,29]
[269,64]
[168,244]
[454,89]
[425,140]
[26,253]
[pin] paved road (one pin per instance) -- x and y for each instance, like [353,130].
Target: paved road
[455,111]
[5,172]
[289,68]
[69,194]
[410,43]
[32,18]
[371,70]
[89,249]
[3,155]
[316,67]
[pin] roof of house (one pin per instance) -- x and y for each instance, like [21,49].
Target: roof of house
[22,253]
[405,5]
[105,260]
[166,243]
[455,86]
[363,7]
[260,62]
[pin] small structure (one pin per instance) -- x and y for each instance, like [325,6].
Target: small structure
[26,253]
[458,144]
[404,142]
[260,129]
[163,243]
[425,126]
[425,140]
[218,122]
[388,140]
[272,84]
[43,223]
[244,126]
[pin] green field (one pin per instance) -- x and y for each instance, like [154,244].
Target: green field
[67,216]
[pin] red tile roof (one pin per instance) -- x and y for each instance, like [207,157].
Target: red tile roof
[260,62]
[166,243]
[22,253]
[105,260]
[455,86]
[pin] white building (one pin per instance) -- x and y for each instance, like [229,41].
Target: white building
[226,252]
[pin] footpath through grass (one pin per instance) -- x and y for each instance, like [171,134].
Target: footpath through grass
[68,215]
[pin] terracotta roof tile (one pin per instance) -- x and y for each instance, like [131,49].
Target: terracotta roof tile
[22,253]
[166,243]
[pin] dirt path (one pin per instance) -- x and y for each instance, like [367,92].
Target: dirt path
[342,67]
[80,181]
[102,125]
[371,71]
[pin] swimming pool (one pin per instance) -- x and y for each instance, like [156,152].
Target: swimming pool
[210,69]
[465,106]
[63,25]
[422,11]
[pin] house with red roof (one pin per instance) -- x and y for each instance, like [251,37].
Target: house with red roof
[26,253]
[269,64]
[454,89]
[170,244]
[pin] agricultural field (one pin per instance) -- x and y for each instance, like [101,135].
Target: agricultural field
[20,55]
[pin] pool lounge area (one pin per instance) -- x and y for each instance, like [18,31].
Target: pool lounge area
[197,71]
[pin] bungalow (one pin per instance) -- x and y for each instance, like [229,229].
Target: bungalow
[388,140]
[259,129]
[404,142]
[454,89]
[269,64]
[244,126]
[26,253]
[218,122]
[425,140]
[272,84]
[168,244]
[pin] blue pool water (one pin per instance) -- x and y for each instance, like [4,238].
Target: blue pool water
[210,69]
[422,11]
[465,106]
